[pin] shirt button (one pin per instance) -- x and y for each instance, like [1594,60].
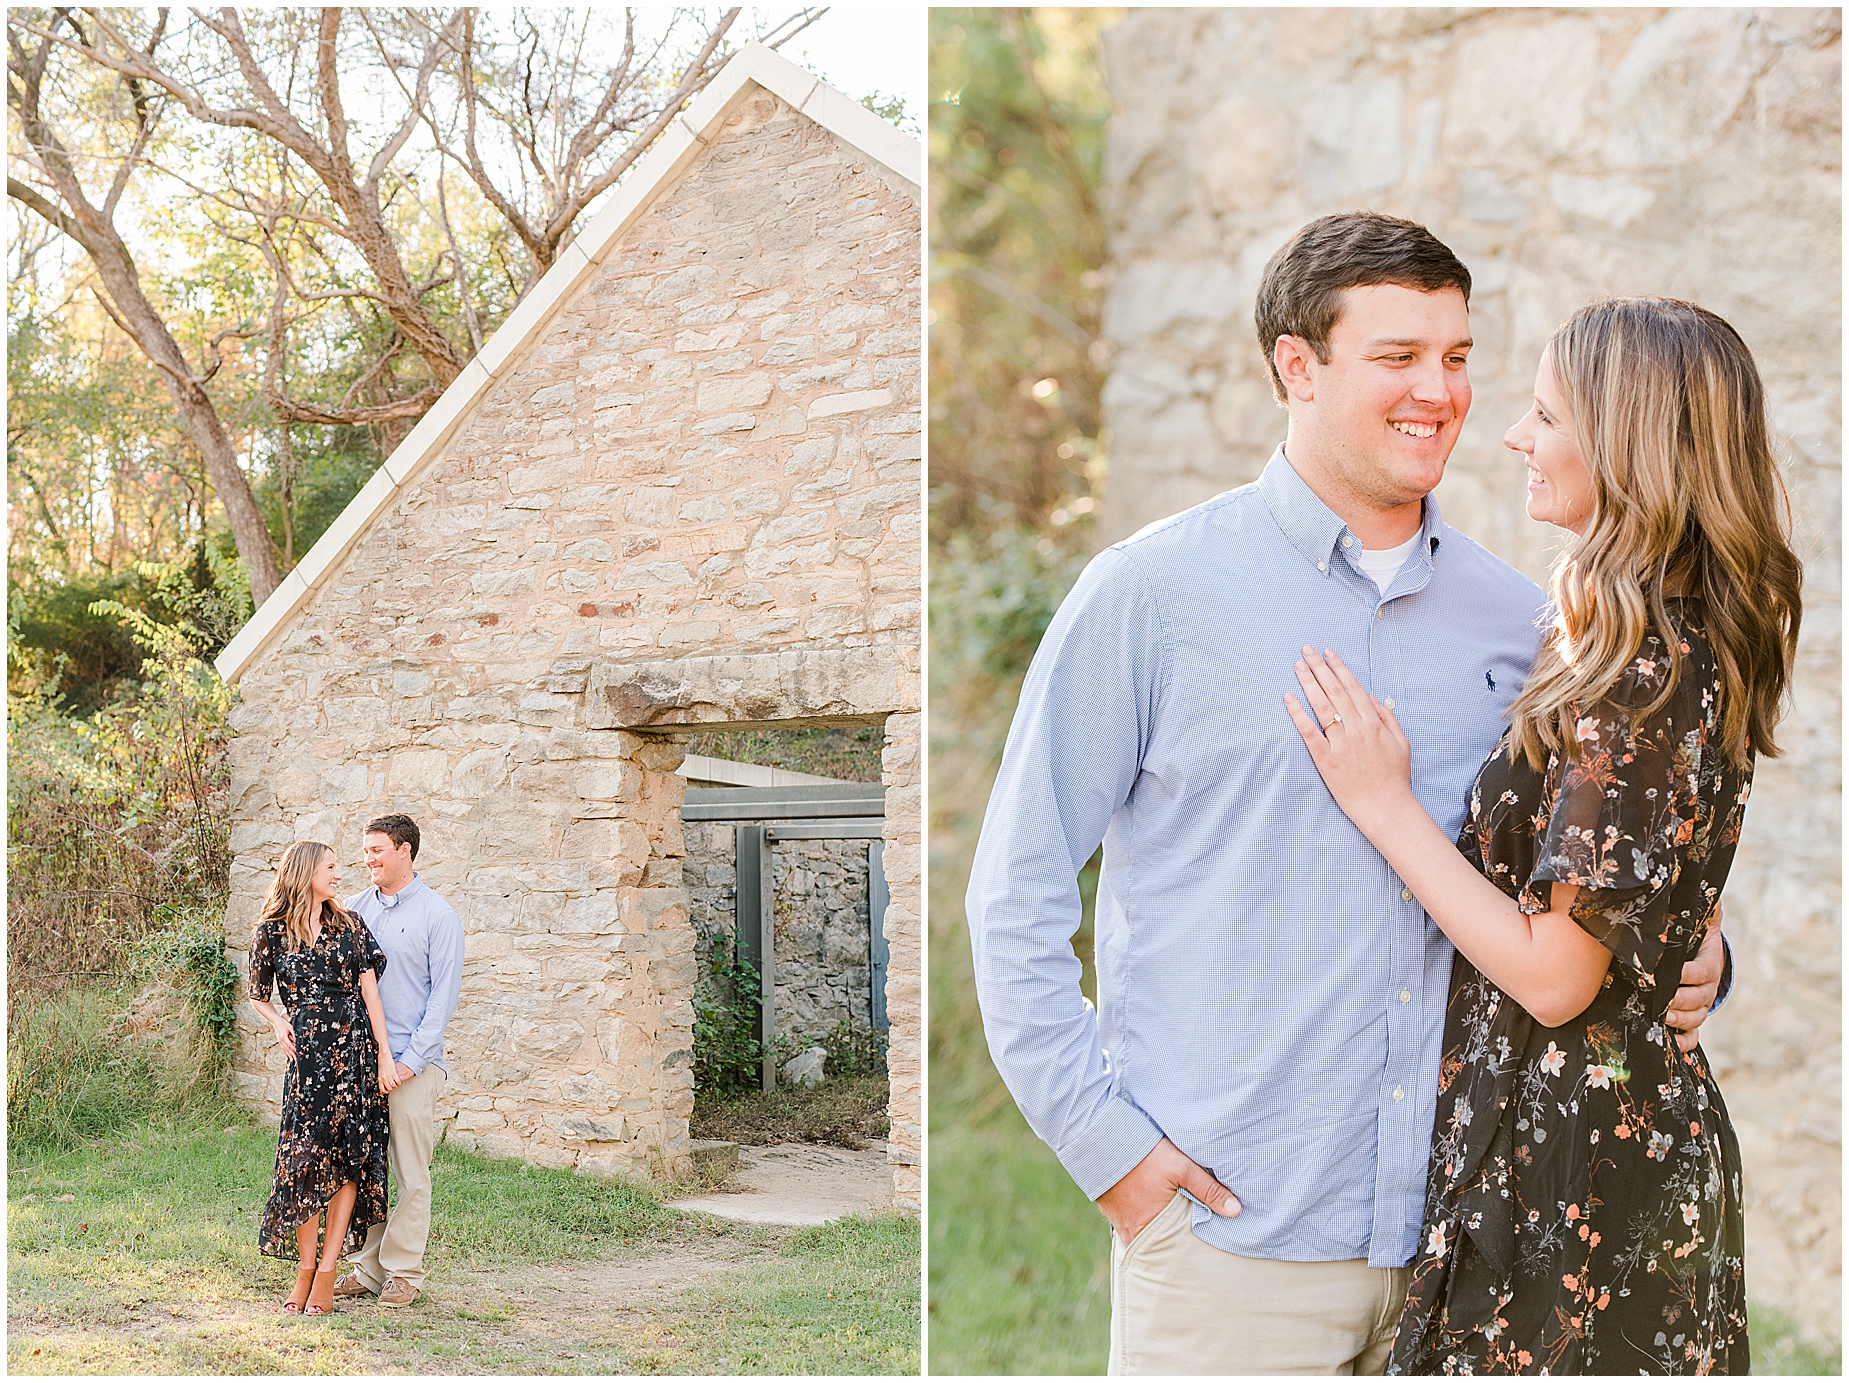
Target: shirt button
[1389,703]
[1381,613]
[1406,895]
[1348,542]
[1398,1093]
[1405,996]
[1322,566]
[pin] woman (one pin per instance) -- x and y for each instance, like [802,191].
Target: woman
[332,1147]
[1583,1201]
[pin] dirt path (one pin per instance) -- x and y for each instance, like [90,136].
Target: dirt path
[567,1318]
[800,1184]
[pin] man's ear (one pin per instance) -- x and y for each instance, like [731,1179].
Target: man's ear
[1294,357]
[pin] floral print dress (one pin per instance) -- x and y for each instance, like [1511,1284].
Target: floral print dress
[334,1121]
[1583,1202]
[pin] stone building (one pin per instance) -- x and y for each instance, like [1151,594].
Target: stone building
[678,489]
[1563,154]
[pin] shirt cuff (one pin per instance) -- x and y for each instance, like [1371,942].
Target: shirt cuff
[415,1064]
[1109,1150]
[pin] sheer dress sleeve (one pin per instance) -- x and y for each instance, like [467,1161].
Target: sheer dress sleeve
[1622,815]
[370,956]
[262,963]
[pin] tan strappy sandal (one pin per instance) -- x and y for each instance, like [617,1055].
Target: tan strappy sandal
[304,1279]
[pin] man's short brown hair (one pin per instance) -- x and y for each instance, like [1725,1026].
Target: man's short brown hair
[1301,291]
[399,827]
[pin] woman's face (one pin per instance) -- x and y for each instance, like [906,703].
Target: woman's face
[1559,484]
[326,883]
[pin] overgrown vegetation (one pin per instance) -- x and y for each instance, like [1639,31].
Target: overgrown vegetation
[727,1056]
[77,1070]
[848,752]
[845,1111]
[118,860]
[855,1051]
[1019,458]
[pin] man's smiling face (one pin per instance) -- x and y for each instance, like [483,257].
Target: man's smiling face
[1388,405]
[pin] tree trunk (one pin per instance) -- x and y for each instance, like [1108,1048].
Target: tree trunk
[122,297]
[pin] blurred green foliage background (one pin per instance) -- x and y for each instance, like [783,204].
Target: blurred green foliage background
[1018,459]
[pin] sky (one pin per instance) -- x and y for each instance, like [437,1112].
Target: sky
[863,48]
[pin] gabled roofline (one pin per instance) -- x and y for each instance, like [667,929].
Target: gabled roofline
[656,174]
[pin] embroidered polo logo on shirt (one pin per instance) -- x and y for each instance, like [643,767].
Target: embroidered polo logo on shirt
[1489,676]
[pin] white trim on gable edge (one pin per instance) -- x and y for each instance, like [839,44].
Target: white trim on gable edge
[654,176]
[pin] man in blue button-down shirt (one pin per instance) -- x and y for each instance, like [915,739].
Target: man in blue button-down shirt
[1271,999]
[422,940]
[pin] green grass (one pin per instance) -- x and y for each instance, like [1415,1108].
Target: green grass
[1779,1349]
[75,1073]
[1020,1268]
[784,1317]
[137,1254]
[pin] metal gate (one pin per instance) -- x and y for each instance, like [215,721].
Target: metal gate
[845,811]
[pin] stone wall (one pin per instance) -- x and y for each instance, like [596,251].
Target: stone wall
[1563,154]
[695,497]
[902,772]
[823,967]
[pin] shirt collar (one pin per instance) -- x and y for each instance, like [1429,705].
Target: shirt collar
[1315,529]
[410,890]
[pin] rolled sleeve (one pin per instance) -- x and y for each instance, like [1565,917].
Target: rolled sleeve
[1072,757]
[426,1043]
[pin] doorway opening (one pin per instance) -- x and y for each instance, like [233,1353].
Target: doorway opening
[784,873]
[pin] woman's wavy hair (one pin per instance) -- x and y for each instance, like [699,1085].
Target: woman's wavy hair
[289,908]
[1669,415]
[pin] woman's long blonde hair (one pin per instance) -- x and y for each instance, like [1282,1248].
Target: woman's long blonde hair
[1669,416]
[289,909]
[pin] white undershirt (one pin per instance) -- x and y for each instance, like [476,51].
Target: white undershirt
[1384,563]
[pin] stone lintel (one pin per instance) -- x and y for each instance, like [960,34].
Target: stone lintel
[819,686]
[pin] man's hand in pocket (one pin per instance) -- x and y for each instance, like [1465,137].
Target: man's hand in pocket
[1137,1199]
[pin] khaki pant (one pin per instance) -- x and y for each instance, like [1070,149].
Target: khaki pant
[396,1248]
[1181,1306]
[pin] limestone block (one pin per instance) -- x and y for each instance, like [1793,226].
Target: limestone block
[745,689]
[550,1155]
[590,1128]
[605,1164]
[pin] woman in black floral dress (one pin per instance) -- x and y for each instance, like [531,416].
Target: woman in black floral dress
[1583,1203]
[330,1152]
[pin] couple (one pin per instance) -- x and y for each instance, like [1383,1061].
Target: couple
[369,987]
[1323,1144]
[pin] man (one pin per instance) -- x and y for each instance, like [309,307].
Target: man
[422,940]
[1271,998]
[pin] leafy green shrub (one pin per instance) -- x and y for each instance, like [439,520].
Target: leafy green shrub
[727,1056]
[855,1051]
[186,948]
[56,638]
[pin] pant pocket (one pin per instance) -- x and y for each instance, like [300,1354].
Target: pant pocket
[1175,1215]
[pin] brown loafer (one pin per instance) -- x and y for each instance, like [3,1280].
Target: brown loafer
[349,1285]
[397,1292]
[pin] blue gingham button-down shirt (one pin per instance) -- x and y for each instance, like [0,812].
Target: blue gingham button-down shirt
[422,940]
[1270,996]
